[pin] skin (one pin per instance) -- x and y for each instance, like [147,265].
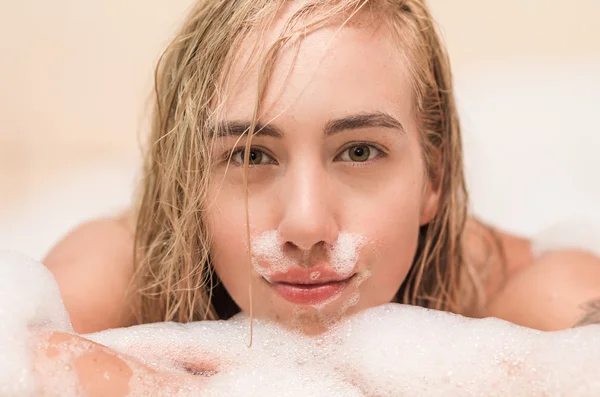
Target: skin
[94,258]
[309,189]
[99,370]
[310,195]
[93,364]
[311,186]
[558,290]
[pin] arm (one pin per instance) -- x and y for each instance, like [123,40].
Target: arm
[559,290]
[93,266]
[99,370]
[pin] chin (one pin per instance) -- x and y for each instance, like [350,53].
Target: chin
[311,320]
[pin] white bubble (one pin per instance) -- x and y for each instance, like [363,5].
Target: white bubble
[269,257]
[389,350]
[345,253]
[267,254]
[29,297]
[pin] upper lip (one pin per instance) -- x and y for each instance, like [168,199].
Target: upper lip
[302,276]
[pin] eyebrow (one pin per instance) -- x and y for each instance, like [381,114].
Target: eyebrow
[364,120]
[332,127]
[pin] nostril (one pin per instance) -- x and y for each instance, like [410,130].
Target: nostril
[290,247]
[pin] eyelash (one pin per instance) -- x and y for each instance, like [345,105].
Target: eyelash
[240,150]
[378,150]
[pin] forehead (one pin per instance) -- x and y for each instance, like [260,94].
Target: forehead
[330,72]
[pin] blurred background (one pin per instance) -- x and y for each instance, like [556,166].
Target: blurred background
[75,78]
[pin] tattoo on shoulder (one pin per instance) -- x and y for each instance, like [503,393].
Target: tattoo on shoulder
[592,313]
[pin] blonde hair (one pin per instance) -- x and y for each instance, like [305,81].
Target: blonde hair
[174,278]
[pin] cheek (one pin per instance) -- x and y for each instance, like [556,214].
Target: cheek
[226,223]
[392,224]
[395,245]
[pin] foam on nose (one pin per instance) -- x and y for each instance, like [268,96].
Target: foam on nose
[267,249]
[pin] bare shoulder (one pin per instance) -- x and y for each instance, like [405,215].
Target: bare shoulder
[93,266]
[497,255]
[557,290]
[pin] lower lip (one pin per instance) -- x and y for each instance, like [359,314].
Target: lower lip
[314,294]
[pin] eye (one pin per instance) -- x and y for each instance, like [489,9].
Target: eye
[257,157]
[359,153]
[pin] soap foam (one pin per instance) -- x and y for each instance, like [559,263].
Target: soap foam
[344,253]
[56,375]
[389,350]
[267,248]
[29,298]
[329,319]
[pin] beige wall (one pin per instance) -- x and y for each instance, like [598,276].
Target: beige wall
[73,82]
[75,74]
[78,71]
[484,31]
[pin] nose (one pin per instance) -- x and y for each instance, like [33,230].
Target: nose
[309,214]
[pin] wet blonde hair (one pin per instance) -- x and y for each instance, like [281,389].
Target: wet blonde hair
[174,278]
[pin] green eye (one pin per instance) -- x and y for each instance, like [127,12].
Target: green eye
[359,153]
[257,157]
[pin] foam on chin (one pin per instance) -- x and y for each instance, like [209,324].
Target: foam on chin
[328,319]
[390,350]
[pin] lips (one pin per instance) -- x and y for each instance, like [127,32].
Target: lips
[313,286]
[311,276]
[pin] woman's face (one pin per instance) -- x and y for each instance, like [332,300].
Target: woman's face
[337,186]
